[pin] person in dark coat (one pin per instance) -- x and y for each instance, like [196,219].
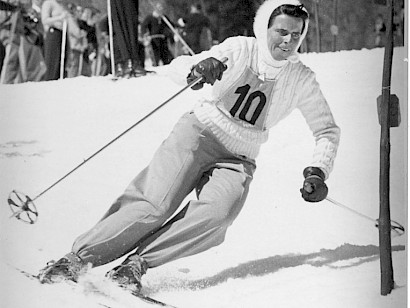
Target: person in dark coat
[197,30]
[158,33]
[127,49]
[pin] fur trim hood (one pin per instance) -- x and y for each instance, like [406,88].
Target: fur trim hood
[260,28]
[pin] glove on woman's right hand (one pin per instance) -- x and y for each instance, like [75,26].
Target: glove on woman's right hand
[210,69]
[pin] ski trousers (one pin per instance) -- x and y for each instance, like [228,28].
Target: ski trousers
[145,217]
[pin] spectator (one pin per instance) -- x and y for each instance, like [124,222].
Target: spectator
[53,15]
[141,47]
[11,27]
[77,48]
[103,56]
[33,43]
[35,13]
[87,23]
[380,31]
[127,49]
[158,33]
[197,30]
[398,27]
[92,39]
[22,32]
[89,43]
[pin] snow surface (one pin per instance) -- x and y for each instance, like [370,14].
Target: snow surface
[280,252]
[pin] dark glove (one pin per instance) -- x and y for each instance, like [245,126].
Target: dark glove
[210,69]
[314,188]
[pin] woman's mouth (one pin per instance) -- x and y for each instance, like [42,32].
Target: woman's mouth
[284,49]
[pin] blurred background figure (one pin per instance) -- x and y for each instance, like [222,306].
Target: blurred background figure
[103,65]
[76,46]
[127,49]
[83,49]
[380,31]
[53,15]
[197,32]
[143,36]
[398,26]
[89,20]
[159,35]
[21,35]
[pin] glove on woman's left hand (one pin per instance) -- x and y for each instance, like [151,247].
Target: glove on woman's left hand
[314,188]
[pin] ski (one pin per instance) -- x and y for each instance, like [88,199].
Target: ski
[140,296]
[36,278]
[151,300]
[140,73]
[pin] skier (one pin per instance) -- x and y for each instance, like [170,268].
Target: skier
[212,150]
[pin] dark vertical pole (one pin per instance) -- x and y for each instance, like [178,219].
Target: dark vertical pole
[316,3]
[335,24]
[386,266]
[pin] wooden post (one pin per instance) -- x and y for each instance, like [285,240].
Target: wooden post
[386,265]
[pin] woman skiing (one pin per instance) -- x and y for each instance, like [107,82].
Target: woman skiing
[212,150]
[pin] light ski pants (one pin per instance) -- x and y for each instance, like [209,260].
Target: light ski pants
[190,158]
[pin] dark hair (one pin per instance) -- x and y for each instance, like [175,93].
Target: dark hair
[291,10]
[198,6]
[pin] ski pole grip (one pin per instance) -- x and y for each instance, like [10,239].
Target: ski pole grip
[199,78]
[224,59]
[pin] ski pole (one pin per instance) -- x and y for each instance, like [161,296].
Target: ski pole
[395,226]
[178,35]
[22,204]
[170,26]
[111,36]
[63,47]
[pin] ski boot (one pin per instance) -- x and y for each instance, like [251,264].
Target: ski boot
[128,71]
[119,73]
[68,267]
[128,274]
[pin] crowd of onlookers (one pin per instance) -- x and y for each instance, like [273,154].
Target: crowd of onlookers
[48,40]
[53,39]
[380,28]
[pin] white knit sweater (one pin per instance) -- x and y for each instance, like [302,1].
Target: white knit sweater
[294,86]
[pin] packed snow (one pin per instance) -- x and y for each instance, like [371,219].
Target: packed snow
[280,252]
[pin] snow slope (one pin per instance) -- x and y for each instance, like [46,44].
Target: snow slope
[280,252]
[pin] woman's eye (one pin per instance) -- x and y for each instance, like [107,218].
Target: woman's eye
[282,32]
[296,35]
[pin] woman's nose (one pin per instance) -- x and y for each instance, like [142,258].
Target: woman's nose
[287,38]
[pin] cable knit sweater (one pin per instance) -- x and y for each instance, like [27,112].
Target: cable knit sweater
[288,85]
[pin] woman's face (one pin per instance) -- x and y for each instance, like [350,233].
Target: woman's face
[284,35]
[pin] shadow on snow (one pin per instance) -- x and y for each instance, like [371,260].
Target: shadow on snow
[336,258]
